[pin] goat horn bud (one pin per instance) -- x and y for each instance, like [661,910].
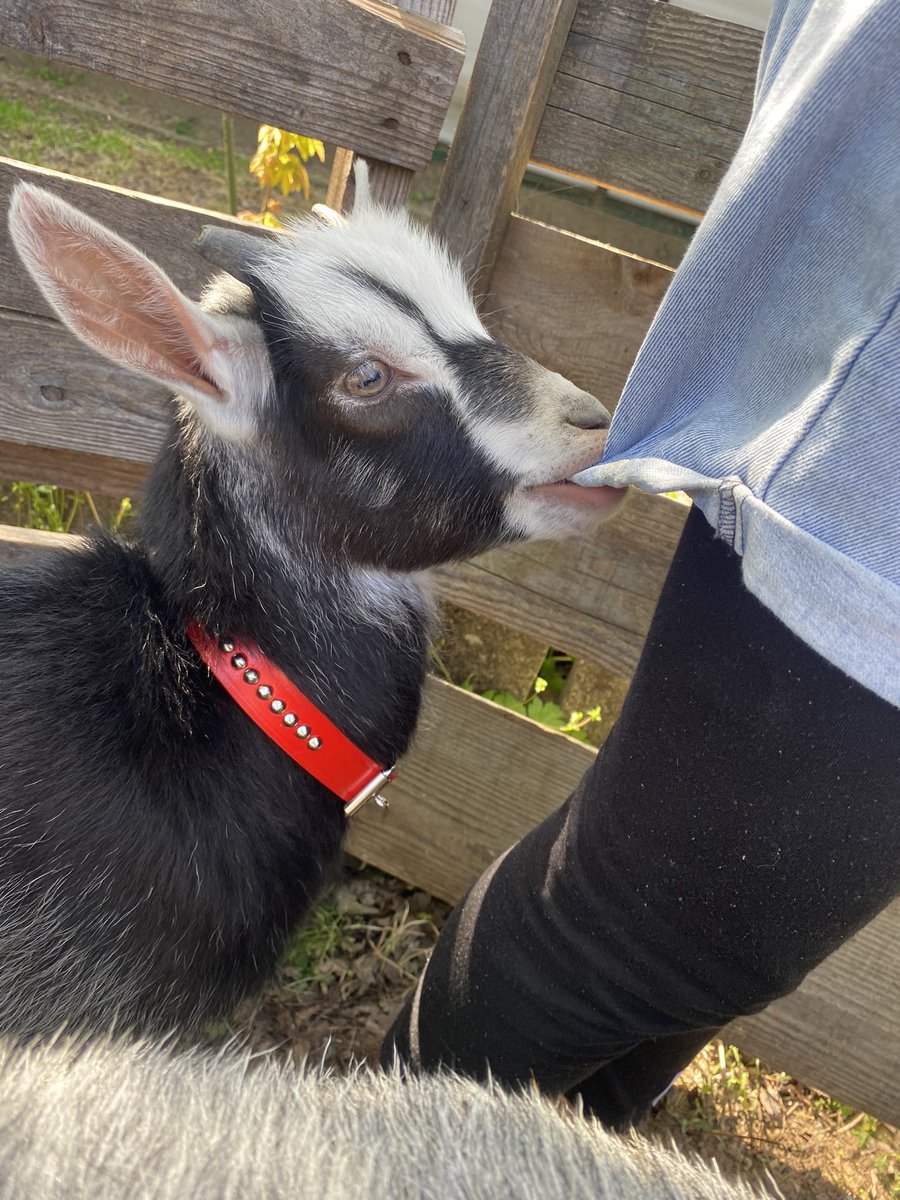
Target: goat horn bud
[233,251]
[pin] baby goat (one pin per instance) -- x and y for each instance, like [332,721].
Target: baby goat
[342,420]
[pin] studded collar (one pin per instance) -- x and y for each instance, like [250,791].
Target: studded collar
[292,721]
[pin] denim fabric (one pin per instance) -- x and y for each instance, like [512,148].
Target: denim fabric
[768,387]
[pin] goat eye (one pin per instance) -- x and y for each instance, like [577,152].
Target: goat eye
[368,379]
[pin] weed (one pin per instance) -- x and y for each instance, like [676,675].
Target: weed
[279,163]
[185,126]
[546,712]
[320,938]
[59,510]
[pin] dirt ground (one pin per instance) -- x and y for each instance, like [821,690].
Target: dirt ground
[345,976]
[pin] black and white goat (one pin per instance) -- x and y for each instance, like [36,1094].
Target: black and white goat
[342,420]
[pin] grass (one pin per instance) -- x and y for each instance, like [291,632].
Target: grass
[59,510]
[50,132]
[326,933]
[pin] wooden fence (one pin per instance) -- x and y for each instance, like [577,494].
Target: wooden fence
[642,96]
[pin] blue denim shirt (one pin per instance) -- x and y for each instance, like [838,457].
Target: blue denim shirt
[768,387]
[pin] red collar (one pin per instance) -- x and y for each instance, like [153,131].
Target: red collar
[294,723]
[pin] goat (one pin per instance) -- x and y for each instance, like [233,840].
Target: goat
[342,421]
[108,1121]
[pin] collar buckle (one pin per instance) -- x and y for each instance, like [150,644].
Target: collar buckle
[371,791]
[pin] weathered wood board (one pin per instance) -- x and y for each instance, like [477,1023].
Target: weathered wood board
[575,305]
[520,50]
[593,596]
[651,98]
[479,777]
[390,184]
[358,73]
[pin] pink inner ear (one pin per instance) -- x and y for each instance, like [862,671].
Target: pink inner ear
[118,301]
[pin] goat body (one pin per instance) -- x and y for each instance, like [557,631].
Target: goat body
[342,421]
[109,1121]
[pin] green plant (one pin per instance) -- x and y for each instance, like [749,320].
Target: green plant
[279,163]
[58,510]
[546,712]
[185,126]
[326,932]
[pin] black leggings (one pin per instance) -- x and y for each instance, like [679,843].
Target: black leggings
[740,822]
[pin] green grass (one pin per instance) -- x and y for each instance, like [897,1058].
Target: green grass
[39,133]
[53,74]
[324,934]
[59,510]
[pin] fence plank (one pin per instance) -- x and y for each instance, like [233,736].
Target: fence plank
[390,184]
[57,394]
[519,53]
[593,597]
[650,97]
[358,73]
[575,305]
[453,810]
[840,1030]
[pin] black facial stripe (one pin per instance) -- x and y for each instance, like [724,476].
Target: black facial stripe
[403,303]
[496,379]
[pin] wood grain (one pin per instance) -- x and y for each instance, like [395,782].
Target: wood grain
[593,597]
[357,73]
[479,777]
[69,468]
[651,98]
[519,54]
[574,305]
[390,184]
[58,394]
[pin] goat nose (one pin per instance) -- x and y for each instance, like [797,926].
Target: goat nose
[586,412]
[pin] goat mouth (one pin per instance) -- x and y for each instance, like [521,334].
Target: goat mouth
[598,499]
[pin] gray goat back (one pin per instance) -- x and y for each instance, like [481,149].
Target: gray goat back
[109,1120]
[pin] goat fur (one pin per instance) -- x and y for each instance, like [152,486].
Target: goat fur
[109,1121]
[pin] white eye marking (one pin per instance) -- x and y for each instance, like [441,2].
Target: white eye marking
[368,379]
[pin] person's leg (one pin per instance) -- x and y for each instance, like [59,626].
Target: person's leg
[739,823]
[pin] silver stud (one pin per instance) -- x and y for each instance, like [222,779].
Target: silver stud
[251,676]
[289,718]
[314,743]
[225,646]
[382,801]
[264,691]
[239,662]
[277,706]
[302,731]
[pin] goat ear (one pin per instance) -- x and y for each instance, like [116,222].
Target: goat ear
[127,309]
